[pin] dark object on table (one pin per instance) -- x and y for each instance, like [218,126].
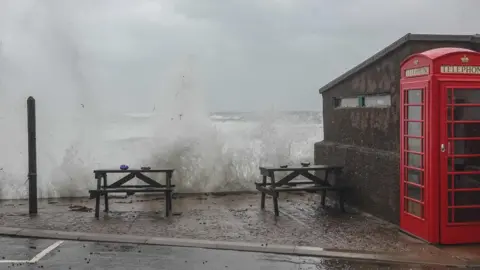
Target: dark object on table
[145,168]
[283,166]
[123,167]
[305,164]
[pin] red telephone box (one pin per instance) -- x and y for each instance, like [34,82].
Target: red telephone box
[440,146]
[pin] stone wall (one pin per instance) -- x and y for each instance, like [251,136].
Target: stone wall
[366,140]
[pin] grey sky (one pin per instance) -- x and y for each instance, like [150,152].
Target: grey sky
[248,54]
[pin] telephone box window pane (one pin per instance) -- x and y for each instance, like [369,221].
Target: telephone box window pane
[471,96]
[467,147]
[414,144]
[451,165]
[414,160]
[414,128]
[414,192]
[463,113]
[466,198]
[414,208]
[450,113]
[462,164]
[414,96]
[464,130]
[449,95]
[466,214]
[414,113]
[414,176]
[458,181]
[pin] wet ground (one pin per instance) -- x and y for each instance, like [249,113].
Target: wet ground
[230,218]
[89,255]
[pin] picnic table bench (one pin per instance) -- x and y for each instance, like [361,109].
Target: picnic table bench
[312,183]
[150,186]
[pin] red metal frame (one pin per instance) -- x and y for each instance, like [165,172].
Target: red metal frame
[455,232]
[412,222]
[424,71]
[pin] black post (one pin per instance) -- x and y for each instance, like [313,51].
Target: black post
[32,157]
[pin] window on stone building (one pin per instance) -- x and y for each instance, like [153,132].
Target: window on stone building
[346,102]
[379,101]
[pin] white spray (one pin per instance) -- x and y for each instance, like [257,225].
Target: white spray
[44,53]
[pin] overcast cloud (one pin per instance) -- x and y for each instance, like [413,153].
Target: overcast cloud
[248,53]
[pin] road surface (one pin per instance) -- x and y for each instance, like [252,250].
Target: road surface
[29,253]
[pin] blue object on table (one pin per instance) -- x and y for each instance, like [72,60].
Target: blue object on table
[124,167]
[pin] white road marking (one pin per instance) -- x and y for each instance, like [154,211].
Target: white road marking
[38,257]
[42,254]
[14,261]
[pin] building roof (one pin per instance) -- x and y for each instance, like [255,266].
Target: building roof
[392,47]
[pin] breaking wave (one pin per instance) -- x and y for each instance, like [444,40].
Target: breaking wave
[78,129]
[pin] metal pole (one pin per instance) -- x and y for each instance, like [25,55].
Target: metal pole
[32,157]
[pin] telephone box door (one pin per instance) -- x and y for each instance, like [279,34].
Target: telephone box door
[460,163]
[414,200]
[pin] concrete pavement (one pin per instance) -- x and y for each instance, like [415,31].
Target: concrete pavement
[226,218]
[98,255]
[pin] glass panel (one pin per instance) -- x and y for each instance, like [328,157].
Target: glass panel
[414,160]
[336,102]
[461,147]
[414,96]
[450,165]
[414,176]
[464,113]
[378,101]
[464,181]
[467,96]
[413,208]
[414,128]
[414,192]
[414,112]
[466,198]
[469,130]
[466,214]
[464,164]
[450,112]
[414,144]
[449,95]
[349,102]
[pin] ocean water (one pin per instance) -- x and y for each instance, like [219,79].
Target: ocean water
[79,81]
[220,153]
[209,152]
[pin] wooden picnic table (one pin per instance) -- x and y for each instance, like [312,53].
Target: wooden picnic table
[311,183]
[150,186]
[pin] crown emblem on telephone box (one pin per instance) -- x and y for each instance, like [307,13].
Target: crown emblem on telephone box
[464,59]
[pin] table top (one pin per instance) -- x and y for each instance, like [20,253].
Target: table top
[300,168]
[133,171]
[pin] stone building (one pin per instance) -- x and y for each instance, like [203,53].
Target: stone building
[361,122]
